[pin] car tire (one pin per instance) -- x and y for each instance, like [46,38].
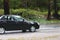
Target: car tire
[2,30]
[23,30]
[32,29]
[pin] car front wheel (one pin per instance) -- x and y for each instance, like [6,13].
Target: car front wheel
[23,30]
[2,30]
[32,29]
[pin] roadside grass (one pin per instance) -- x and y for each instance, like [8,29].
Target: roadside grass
[33,15]
[45,21]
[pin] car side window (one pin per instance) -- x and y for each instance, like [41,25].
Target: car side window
[4,18]
[10,18]
[19,19]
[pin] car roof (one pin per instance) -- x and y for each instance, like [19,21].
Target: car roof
[10,15]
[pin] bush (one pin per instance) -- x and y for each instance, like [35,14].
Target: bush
[1,11]
[26,13]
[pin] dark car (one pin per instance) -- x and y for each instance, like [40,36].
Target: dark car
[15,22]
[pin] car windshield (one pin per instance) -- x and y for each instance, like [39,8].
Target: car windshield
[18,18]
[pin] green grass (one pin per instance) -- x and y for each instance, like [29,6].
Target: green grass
[44,21]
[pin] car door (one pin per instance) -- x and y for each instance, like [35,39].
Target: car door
[22,25]
[11,23]
[25,25]
[19,23]
[4,21]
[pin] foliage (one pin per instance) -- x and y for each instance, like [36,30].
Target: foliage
[33,4]
[1,11]
[27,13]
[1,4]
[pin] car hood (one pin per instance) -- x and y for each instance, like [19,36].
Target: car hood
[32,22]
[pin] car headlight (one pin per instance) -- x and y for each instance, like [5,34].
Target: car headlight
[37,23]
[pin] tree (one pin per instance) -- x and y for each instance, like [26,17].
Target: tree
[55,14]
[6,7]
[49,10]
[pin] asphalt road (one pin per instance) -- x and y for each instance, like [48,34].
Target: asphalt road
[48,32]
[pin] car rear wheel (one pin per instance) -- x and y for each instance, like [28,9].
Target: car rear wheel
[32,29]
[23,30]
[2,30]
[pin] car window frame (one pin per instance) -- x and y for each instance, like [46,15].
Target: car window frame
[16,19]
[11,18]
[4,18]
